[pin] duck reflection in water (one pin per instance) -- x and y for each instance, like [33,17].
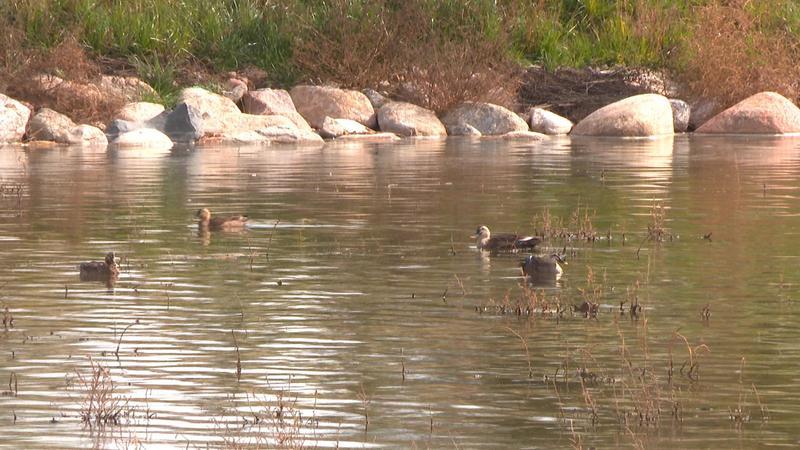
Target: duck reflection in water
[106,271]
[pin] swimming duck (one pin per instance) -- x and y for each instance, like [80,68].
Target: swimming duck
[100,270]
[543,266]
[503,242]
[230,223]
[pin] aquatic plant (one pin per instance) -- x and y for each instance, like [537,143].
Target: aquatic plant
[100,403]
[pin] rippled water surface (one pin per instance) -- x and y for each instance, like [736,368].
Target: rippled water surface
[362,315]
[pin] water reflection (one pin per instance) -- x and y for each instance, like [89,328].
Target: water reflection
[355,290]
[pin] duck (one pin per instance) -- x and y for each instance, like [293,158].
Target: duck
[100,270]
[503,242]
[535,266]
[216,223]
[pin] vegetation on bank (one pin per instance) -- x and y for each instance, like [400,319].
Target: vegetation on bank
[432,52]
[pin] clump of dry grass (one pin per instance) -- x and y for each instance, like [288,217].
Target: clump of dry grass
[60,78]
[276,423]
[738,48]
[417,51]
[579,226]
[100,404]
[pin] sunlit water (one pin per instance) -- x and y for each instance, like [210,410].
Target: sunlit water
[359,303]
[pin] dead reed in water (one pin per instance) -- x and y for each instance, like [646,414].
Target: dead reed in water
[100,404]
[279,422]
[578,227]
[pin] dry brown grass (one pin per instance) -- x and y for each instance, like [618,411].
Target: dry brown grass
[399,48]
[100,404]
[734,53]
[20,68]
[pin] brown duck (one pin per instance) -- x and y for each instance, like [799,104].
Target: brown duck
[107,270]
[543,266]
[503,242]
[216,223]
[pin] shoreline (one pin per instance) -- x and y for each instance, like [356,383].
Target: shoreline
[309,114]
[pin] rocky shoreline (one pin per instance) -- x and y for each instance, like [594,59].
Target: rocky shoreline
[311,114]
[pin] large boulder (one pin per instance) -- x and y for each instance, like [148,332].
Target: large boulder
[268,101]
[762,113]
[86,135]
[184,123]
[215,110]
[315,103]
[131,89]
[139,111]
[547,122]
[273,102]
[406,119]
[267,135]
[143,137]
[638,116]
[13,119]
[681,112]
[487,118]
[334,128]
[49,125]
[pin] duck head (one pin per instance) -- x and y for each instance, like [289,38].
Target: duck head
[203,214]
[482,235]
[111,259]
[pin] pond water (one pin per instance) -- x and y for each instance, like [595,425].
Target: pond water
[362,315]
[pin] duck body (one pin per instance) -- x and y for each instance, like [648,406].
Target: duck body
[216,223]
[542,266]
[506,242]
[100,270]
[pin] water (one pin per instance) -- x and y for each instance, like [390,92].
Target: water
[353,297]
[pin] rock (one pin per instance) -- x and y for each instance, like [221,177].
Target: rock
[547,122]
[637,116]
[273,102]
[267,135]
[118,126]
[374,137]
[143,137]
[680,115]
[521,135]
[139,111]
[250,122]
[376,98]
[235,89]
[405,119]
[184,124]
[49,125]
[131,89]
[315,103]
[13,119]
[762,113]
[701,111]
[463,130]
[487,118]
[215,110]
[86,135]
[333,128]
[286,135]
[268,101]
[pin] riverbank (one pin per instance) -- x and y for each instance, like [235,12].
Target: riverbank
[91,64]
